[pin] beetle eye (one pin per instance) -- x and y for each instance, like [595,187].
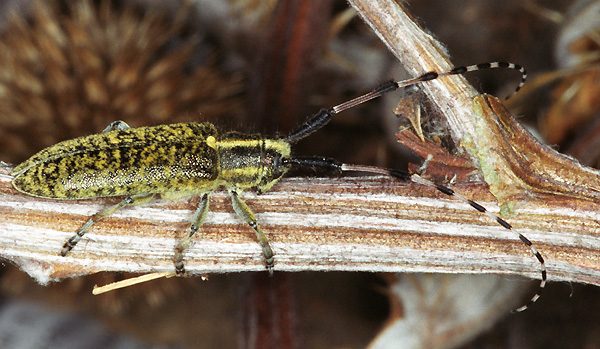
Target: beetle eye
[279,166]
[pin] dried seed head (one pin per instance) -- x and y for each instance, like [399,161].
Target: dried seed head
[70,68]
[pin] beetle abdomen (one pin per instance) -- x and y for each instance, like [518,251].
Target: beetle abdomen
[157,159]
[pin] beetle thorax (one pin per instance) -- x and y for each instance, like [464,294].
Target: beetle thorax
[250,162]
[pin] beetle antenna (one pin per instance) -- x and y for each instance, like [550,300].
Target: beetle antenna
[450,192]
[337,168]
[322,118]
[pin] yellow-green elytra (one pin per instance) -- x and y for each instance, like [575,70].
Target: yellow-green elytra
[170,160]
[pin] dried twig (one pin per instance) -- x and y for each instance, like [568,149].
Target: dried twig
[351,224]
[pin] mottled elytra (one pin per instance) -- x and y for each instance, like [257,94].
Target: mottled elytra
[194,159]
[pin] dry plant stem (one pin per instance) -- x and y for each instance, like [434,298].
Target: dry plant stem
[349,224]
[520,171]
[419,53]
[481,128]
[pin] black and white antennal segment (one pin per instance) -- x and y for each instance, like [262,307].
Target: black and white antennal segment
[320,119]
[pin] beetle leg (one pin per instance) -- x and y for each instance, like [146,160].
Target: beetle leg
[116,125]
[244,211]
[129,201]
[197,221]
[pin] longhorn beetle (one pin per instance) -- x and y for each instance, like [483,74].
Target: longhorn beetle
[193,159]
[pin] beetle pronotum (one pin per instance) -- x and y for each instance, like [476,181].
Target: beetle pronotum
[193,159]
